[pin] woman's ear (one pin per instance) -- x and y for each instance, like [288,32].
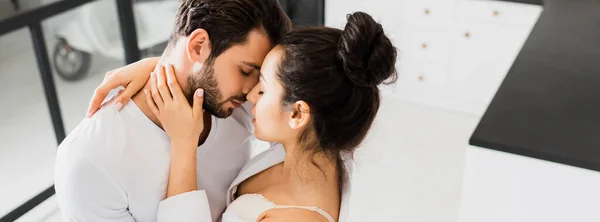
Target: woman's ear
[198,46]
[300,116]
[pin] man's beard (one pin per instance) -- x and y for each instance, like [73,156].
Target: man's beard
[205,79]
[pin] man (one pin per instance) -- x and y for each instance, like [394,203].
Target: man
[114,166]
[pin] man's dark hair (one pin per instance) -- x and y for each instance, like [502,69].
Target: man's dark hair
[228,22]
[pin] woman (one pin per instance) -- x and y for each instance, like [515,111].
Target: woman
[316,99]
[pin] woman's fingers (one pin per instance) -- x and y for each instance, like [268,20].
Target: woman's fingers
[161,82]
[130,90]
[110,82]
[151,103]
[154,91]
[174,85]
[198,100]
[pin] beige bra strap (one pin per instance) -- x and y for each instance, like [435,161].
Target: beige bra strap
[313,208]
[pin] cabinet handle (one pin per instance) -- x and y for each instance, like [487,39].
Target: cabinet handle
[421,78]
[427,11]
[467,34]
[496,13]
[424,45]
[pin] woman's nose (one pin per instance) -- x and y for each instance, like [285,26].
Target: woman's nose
[249,84]
[253,94]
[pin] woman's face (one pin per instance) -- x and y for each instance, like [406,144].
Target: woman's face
[270,117]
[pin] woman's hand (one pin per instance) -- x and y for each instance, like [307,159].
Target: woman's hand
[133,77]
[183,123]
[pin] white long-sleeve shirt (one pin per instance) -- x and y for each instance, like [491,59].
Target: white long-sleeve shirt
[115,165]
[193,206]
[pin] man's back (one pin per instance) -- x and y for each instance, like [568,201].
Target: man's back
[114,166]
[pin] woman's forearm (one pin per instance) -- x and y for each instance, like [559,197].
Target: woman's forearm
[182,173]
[147,65]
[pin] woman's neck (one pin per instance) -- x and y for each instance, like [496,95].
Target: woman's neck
[315,177]
[305,169]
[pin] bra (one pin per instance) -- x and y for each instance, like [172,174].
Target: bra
[249,207]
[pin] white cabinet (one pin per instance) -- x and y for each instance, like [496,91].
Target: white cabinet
[498,12]
[422,73]
[453,54]
[423,44]
[486,38]
[482,54]
[419,14]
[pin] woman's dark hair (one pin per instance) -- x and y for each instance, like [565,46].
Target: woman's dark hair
[228,22]
[337,73]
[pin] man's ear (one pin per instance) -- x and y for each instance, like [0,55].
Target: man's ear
[300,116]
[198,46]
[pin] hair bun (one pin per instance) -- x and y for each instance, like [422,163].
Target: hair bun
[367,55]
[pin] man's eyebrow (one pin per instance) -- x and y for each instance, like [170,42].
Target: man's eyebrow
[255,66]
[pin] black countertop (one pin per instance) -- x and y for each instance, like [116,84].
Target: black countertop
[534,2]
[548,106]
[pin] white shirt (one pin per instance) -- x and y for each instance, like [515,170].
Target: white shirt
[115,165]
[193,206]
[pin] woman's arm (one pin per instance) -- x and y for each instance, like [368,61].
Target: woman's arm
[182,173]
[184,124]
[133,77]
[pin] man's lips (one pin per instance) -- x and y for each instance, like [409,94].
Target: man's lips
[236,103]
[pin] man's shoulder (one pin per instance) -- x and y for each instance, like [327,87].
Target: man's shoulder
[107,121]
[89,171]
[100,137]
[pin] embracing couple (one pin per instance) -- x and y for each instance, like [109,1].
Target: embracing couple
[176,144]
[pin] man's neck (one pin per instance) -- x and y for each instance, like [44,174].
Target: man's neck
[140,100]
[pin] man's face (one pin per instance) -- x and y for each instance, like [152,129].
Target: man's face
[227,79]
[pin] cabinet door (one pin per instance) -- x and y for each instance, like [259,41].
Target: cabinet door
[421,81]
[497,12]
[435,14]
[482,54]
[430,14]
[417,73]
[423,44]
